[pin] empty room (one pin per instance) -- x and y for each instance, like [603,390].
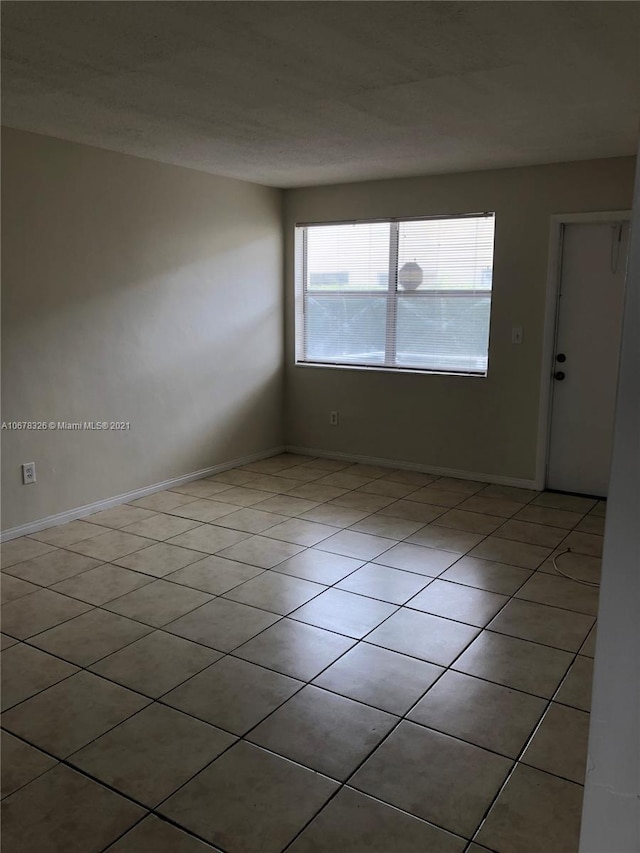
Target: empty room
[320,427]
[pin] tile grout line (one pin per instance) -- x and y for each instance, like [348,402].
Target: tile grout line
[282,616]
[400,720]
[404,717]
[307,683]
[518,761]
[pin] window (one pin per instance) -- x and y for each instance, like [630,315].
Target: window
[411,294]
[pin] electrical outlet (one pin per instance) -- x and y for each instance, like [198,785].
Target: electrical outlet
[28,473]
[333,418]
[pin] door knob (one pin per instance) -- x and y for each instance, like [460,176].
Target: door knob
[559,375]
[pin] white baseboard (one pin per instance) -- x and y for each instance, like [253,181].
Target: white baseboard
[107,503]
[497,479]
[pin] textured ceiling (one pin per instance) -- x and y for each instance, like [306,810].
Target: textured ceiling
[298,93]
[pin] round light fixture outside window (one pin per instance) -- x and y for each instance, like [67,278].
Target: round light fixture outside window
[410,276]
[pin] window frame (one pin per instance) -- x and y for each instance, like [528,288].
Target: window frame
[391,295]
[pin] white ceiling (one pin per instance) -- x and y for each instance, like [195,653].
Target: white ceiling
[297,93]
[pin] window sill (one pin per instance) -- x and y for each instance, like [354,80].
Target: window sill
[380,369]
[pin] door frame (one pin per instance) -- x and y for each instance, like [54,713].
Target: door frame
[554,271]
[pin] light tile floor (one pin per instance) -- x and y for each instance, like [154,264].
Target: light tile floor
[305,655]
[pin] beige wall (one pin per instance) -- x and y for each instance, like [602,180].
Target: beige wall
[482,426]
[147,293]
[611,809]
[133,291]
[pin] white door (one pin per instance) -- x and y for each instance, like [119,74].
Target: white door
[593,264]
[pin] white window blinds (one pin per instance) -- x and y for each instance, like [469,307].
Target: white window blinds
[404,294]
